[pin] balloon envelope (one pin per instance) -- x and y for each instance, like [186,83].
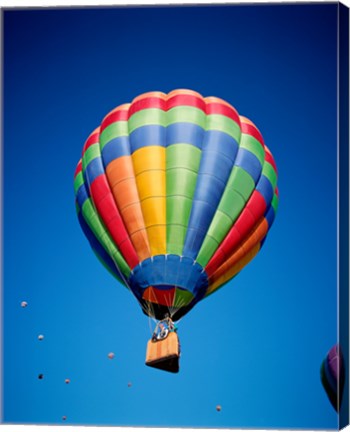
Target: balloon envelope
[333,376]
[176,194]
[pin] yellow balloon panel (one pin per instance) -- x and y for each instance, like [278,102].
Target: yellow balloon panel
[151,184]
[156,238]
[149,167]
[148,158]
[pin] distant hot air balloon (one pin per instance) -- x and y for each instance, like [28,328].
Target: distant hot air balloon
[218,408]
[176,194]
[41,337]
[41,376]
[111,355]
[333,376]
[24,304]
[67,380]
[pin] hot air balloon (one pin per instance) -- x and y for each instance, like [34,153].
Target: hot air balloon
[333,376]
[176,194]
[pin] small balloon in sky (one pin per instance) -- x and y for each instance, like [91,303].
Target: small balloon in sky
[41,376]
[24,304]
[67,380]
[41,337]
[333,376]
[218,407]
[129,384]
[111,355]
[64,418]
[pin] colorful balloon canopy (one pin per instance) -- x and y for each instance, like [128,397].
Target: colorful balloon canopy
[333,376]
[176,194]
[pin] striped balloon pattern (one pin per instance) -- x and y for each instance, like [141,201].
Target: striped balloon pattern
[176,194]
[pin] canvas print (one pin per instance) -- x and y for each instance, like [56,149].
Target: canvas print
[175,216]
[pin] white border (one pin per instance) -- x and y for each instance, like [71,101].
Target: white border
[62,3]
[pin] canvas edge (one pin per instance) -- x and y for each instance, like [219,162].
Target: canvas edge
[343,201]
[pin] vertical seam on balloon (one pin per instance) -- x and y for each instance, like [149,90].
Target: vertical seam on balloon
[243,239]
[97,157]
[97,246]
[227,276]
[200,160]
[166,194]
[121,211]
[207,101]
[223,193]
[101,223]
[221,272]
[233,222]
[135,180]
[243,209]
[166,172]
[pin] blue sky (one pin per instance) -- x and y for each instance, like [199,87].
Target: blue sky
[256,346]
